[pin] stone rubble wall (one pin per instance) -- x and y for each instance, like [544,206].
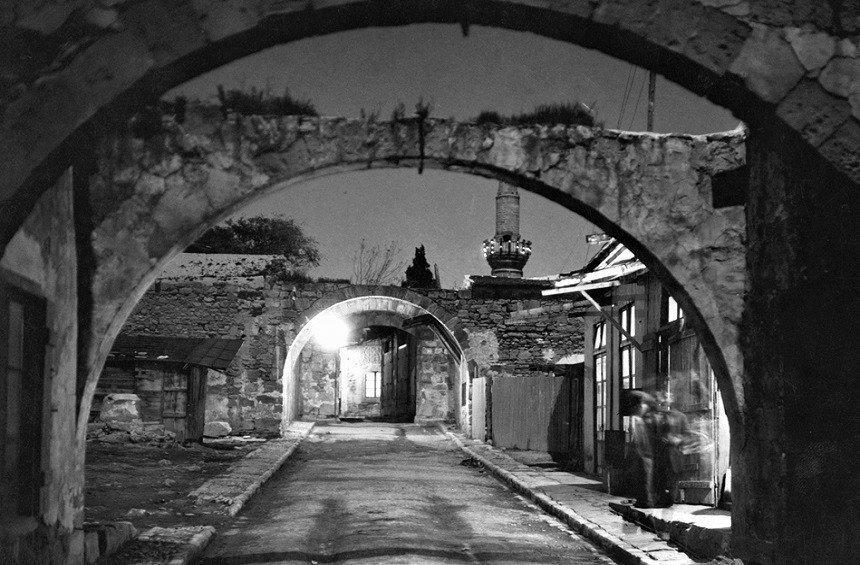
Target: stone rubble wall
[268,318]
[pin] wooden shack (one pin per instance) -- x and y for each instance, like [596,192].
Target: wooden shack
[168,373]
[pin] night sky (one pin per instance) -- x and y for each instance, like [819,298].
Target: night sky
[449,213]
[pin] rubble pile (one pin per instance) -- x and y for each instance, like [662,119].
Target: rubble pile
[120,422]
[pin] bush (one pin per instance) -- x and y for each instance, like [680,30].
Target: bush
[264,102]
[569,114]
[279,270]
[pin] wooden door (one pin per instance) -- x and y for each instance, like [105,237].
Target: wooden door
[404,401]
[388,399]
[174,402]
[575,377]
[690,384]
[196,406]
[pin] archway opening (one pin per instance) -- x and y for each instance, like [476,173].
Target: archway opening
[394,362]
[632,240]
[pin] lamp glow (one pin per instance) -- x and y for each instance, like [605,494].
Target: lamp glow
[330,332]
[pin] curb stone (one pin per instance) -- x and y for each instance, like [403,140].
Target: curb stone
[195,539]
[235,487]
[614,546]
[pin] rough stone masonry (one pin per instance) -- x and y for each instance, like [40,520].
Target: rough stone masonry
[269,317]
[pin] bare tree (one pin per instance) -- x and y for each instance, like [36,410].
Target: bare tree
[377,265]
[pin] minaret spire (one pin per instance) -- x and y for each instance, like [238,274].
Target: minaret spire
[507,253]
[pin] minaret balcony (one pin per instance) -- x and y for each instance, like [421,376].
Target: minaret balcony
[507,255]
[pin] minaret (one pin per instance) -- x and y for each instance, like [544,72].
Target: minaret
[507,253]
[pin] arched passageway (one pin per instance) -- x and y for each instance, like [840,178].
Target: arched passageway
[416,381]
[751,59]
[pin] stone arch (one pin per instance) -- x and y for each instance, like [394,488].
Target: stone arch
[401,303]
[151,198]
[392,305]
[750,57]
[747,57]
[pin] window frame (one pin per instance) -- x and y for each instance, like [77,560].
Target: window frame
[670,306]
[376,378]
[21,489]
[601,377]
[626,351]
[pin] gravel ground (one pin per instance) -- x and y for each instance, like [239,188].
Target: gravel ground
[148,484]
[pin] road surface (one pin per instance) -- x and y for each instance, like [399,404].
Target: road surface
[391,493]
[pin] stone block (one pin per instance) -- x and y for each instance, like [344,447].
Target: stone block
[216,429]
[812,48]
[813,112]
[768,65]
[841,76]
[843,149]
[120,408]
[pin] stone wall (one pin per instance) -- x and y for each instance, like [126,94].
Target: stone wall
[41,260]
[270,317]
[435,381]
[317,379]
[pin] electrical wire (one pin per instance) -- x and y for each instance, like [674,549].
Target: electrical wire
[631,76]
[638,99]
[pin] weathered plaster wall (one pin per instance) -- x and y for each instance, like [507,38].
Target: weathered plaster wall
[41,259]
[270,317]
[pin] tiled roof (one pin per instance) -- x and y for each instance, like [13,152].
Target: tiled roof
[209,352]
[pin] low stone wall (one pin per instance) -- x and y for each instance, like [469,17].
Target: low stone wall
[268,317]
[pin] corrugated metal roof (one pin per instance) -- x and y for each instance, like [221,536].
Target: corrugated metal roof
[215,353]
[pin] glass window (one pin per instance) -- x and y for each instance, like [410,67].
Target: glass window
[600,393]
[628,320]
[673,311]
[599,335]
[372,384]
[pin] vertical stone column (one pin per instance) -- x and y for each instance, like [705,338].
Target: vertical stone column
[508,211]
[794,460]
[41,259]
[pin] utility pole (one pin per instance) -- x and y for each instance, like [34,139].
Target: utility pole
[652,87]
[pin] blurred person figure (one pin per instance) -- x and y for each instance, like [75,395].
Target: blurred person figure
[659,434]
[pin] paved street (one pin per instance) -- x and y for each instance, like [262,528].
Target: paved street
[391,493]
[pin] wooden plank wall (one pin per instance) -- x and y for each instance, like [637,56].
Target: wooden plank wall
[532,413]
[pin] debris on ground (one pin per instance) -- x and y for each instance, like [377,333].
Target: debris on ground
[472,462]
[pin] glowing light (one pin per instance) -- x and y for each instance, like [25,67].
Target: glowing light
[330,332]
